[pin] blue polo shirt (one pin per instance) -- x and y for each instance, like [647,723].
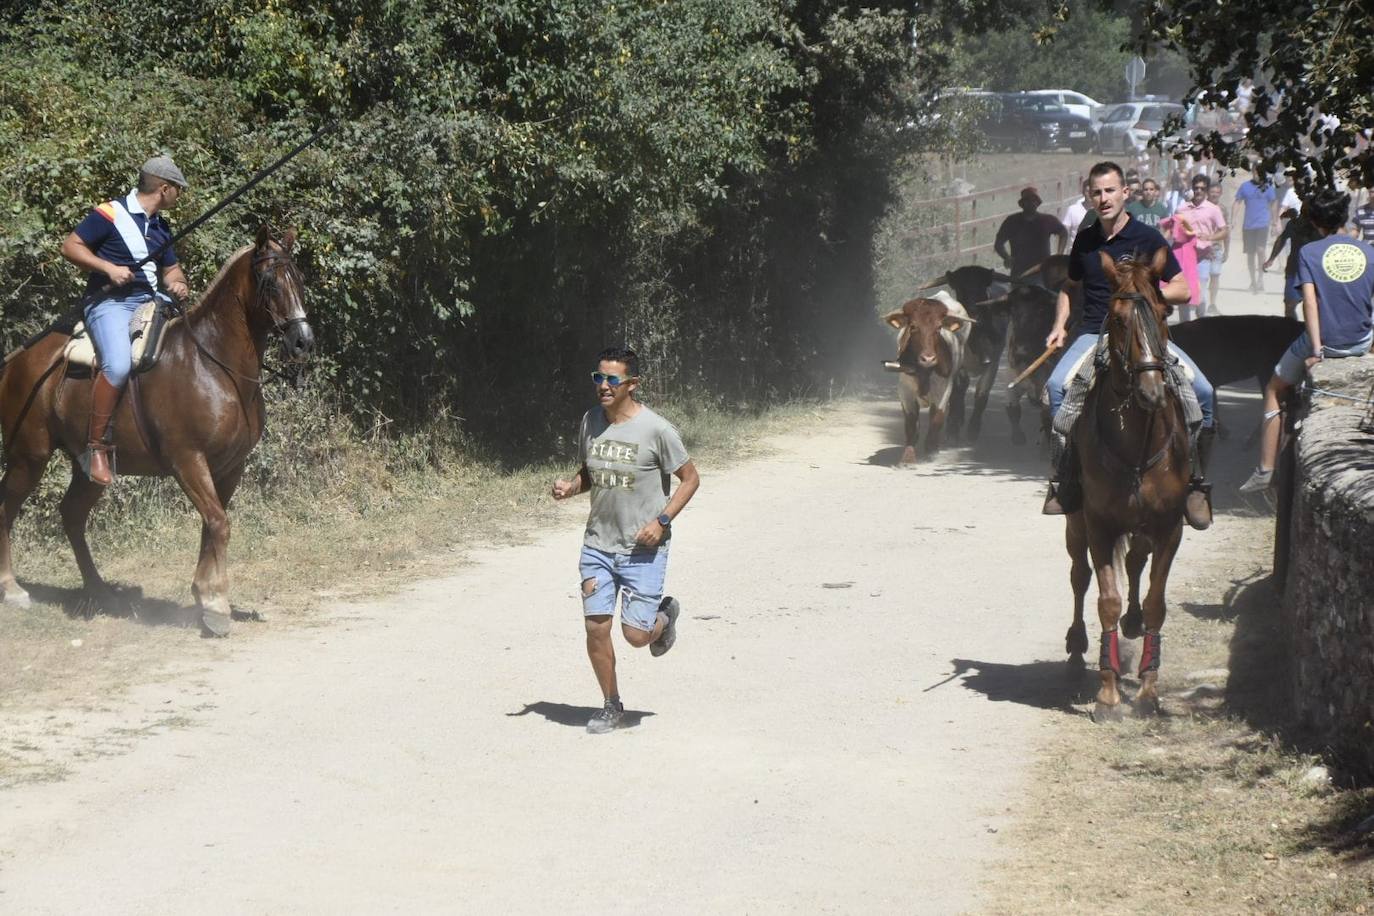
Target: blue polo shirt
[1342,270]
[98,231]
[1136,241]
[1257,201]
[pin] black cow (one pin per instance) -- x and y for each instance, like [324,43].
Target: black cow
[1031,310]
[1233,348]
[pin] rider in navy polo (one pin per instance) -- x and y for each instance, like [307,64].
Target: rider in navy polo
[112,238]
[1121,236]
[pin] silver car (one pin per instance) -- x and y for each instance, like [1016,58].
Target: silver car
[1127,127]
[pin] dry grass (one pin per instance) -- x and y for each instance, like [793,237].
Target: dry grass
[1204,809]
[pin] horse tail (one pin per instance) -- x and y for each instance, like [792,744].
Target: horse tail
[1119,550]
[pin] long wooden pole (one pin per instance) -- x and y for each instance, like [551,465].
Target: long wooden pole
[1040,361]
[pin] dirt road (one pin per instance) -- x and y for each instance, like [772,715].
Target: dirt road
[825,736]
[866,660]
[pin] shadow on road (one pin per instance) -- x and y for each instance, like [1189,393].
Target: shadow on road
[122,601]
[1042,684]
[575,716]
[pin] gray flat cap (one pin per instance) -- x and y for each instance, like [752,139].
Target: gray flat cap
[163,167]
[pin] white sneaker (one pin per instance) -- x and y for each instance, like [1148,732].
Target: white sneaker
[1259,481]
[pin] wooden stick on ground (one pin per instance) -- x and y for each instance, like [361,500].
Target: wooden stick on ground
[1039,360]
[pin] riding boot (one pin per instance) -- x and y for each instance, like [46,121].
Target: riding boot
[104,400]
[1198,508]
[1065,494]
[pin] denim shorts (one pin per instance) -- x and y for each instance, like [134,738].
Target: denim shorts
[637,577]
[1292,290]
[1293,364]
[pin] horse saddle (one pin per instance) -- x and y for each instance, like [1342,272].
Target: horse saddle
[145,340]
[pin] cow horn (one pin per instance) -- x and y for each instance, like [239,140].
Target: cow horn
[998,301]
[1033,270]
[1006,278]
[938,281]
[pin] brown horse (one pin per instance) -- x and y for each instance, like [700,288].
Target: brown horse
[1133,448]
[195,416]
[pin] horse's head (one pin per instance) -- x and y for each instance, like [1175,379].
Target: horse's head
[1137,332]
[281,293]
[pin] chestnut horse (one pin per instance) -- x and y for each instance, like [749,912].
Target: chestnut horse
[195,416]
[1133,448]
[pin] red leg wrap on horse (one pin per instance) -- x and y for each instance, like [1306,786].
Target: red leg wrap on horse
[1109,659]
[1149,653]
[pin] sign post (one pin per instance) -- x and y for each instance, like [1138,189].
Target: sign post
[1135,72]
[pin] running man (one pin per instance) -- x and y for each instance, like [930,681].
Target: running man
[627,454]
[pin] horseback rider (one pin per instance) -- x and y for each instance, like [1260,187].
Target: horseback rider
[1121,236]
[112,238]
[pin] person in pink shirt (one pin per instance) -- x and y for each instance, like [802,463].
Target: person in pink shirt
[1179,234]
[1209,225]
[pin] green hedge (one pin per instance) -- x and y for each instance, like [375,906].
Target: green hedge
[513,183]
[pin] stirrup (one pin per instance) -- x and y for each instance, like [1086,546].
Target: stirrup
[1199,485]
[83,460]
[1052,504]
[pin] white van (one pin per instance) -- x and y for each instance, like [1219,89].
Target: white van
[1076,102]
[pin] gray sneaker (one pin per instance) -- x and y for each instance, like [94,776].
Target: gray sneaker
[610,717]
[670,609]
[1259,481]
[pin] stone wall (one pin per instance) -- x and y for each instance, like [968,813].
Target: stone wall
[1329,576]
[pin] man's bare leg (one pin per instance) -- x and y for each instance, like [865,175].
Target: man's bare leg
[602,653]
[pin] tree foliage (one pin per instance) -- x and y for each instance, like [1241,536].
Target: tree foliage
[1083,47]
[513,183]
[1313,66]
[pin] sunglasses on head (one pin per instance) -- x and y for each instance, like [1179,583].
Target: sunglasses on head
[613,380]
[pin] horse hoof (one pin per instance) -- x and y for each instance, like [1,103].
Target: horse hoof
[1105,713]
[214,623]
[1076,642]
[1146,707]
[908,455]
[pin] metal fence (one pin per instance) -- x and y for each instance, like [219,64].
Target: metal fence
[968,226]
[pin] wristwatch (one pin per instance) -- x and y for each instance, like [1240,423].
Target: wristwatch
[665,520]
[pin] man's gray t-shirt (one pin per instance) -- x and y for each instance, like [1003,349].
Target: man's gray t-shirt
[630,465]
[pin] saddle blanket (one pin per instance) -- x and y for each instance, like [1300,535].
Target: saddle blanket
[1176,376]
[80,350]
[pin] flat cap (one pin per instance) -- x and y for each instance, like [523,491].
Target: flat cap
[163,167]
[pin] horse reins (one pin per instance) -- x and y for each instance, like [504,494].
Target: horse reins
[265,279]
[1139,315]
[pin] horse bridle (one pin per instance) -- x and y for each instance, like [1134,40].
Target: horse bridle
[266,286]
[1143,311]
[264,268]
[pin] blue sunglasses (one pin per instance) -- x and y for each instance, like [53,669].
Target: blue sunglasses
[613,380]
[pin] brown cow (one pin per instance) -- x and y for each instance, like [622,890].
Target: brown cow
[930,350]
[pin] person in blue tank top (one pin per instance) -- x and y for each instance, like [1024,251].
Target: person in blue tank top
[1336,276]
[108,243]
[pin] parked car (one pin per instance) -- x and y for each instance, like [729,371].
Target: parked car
[1128,126]
[1076,102]
[1019,121]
